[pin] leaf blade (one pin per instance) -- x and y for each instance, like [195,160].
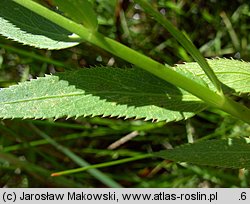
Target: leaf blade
[24,26]
[230,153]
[232,73]
[129,93]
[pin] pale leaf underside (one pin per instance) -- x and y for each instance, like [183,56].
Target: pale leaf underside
[234,74]
[230,153]
[128,93]
[22,25]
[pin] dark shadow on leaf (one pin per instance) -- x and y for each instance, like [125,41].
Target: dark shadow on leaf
[132,87]
[32,24]
[227,153]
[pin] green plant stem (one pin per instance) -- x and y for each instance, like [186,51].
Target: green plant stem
[106,164]
[164,72]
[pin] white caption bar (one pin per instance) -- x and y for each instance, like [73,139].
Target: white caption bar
[120,196]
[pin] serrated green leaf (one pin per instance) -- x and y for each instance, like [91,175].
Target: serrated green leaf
[230,153]
[234,74]
[81,11]
[129,93]
[22,25]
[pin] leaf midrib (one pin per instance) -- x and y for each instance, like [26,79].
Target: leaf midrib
[83,93]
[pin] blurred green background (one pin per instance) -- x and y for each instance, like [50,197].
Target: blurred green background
[31,150]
